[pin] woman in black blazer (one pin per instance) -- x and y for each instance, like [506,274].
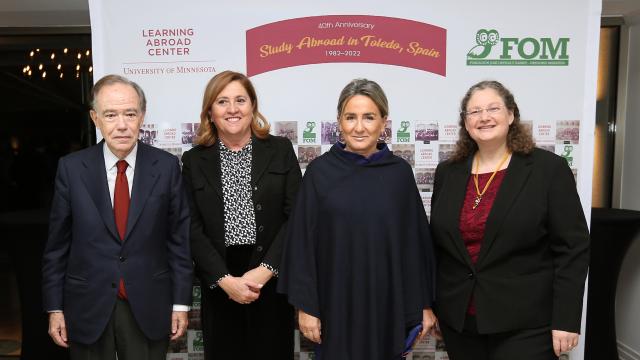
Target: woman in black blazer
[242,183]
[511,238]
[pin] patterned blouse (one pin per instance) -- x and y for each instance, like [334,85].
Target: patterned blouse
[239,216]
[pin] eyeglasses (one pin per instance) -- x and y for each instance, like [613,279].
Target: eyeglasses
[477,113]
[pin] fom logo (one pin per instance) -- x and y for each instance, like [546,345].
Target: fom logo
[403,134]
[493,50]
[308,136]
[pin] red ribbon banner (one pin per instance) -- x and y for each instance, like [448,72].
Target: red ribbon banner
[346,38]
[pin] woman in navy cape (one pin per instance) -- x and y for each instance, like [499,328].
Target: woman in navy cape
[358,263]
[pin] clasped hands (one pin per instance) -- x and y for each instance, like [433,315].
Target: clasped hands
[245,289]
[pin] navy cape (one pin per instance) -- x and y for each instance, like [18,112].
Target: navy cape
[359,255]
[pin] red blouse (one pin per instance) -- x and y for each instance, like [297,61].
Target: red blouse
[473,221]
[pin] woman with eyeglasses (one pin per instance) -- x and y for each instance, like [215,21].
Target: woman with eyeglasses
[242,183]
[511,238]
[358,263]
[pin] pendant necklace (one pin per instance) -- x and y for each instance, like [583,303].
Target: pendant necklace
[479,194]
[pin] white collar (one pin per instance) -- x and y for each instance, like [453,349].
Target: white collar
[110,159]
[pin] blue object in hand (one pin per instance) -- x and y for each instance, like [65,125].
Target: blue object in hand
[410,341]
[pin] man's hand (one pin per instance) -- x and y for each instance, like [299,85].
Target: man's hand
[240,290]
[179,322]
[58,329]
[563,341]
[310,326]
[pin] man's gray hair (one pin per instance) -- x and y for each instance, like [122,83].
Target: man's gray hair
[117,79]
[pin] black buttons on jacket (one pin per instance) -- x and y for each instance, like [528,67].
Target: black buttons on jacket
[259,248]
[260,228]
[259,207]
[122,258]
[470,276]
[255,188]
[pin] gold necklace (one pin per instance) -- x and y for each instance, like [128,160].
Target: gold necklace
[479,194]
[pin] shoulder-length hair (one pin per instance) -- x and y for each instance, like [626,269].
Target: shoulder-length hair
[207,132]
[519,139]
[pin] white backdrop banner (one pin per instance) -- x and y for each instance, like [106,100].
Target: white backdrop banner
[299,54]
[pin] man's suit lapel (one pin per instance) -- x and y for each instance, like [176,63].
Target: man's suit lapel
[261,156]
[94,176]
[513,182]
[454,198]
[144,179]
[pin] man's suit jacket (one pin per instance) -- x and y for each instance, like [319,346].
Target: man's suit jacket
[84,258]
[534,256]
[275,178]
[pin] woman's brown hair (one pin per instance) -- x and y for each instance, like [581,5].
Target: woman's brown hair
[519,139]
[207,132]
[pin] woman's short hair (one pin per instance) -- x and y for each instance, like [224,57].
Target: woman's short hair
[207,132]
[367,88]
[519,139]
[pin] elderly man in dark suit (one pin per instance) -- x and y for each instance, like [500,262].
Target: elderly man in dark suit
[117,268]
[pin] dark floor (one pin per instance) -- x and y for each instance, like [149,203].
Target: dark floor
[10,327]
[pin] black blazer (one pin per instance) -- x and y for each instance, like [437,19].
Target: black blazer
[84,258]
[275,178]
[533,261]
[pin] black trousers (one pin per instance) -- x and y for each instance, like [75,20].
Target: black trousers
[123,337]
[260,330]
[525,344]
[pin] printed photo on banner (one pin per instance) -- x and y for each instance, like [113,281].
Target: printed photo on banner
[405,151]
[288,129]
[189,131]
[445,151]
[386,135]
[306,154]
[330,133]
[568,131]
[426,131]
[148,134]
[424,178]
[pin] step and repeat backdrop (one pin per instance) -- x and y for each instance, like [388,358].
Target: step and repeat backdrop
[299,54]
